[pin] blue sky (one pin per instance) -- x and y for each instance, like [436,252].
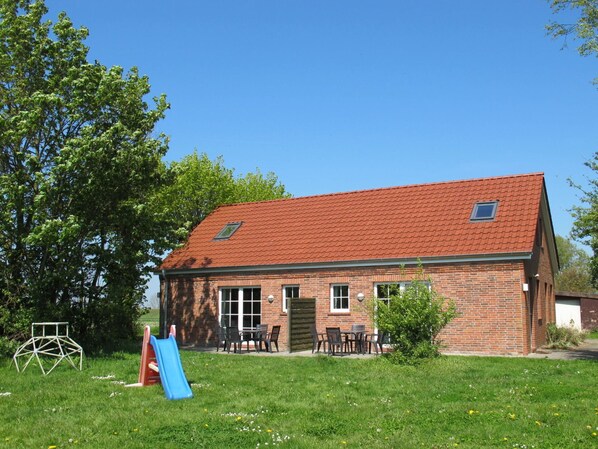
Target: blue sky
[342,95]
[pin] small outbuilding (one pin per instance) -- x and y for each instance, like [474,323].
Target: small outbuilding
[579,310]
[488,244]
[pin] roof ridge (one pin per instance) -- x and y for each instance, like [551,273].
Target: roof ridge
[377,189]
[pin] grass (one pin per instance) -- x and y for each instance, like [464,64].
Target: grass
[295,402]
[151,318]
[593,334]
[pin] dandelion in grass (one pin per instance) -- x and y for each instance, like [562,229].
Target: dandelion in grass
[472,412]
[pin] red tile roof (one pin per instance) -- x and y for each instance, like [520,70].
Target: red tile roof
[416,221]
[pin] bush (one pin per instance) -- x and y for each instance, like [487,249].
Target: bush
[563,337]
[412,320]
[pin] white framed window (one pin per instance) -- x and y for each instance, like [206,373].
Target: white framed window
[288,291]
[385,291]
[240,307]
[339,298]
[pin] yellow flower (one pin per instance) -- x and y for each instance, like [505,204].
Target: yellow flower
[269,430]
[512,416]
[239,418]
[472,412]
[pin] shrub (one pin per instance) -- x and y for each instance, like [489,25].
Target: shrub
[412,319]
[563,337]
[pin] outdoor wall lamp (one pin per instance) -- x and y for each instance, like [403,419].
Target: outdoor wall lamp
[270,299]
[360,297]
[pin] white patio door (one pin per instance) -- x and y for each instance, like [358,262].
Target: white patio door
[240,307]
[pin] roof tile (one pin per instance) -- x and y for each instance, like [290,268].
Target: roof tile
[427,220]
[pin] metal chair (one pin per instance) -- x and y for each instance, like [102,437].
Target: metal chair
[335,341]
[317,339]
[272,337]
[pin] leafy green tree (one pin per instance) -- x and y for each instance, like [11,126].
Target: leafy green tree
[79,166]
[574,274]
[585,226]
[199,185]
[257,187]
[412,320]
[585,29]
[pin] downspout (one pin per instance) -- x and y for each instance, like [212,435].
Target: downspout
[163,315]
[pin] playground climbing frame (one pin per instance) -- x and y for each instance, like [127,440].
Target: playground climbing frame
[49,345]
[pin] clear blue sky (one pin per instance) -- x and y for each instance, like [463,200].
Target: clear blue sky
[342,95]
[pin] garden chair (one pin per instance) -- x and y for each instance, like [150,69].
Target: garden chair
[377,340]
[221,338]
[335,341]
[259,336]
[318,339]
[354,341]
[272,337]
[233,337]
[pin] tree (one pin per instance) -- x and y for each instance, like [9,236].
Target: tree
[79,167]
[412,320]
[585,29]
[199,185]
[585,226]
[574,274]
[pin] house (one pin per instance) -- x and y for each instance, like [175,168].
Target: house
[577,309]
[488,244]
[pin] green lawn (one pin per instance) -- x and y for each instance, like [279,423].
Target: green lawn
[151,318]
[593,334]
[256,402]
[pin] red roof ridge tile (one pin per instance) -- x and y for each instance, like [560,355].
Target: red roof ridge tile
[379,189]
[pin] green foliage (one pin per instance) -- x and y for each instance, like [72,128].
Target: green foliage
[585,29]
[199,185]
[574,274]
[563,337]
[79,165]
[412,319]
[585,226]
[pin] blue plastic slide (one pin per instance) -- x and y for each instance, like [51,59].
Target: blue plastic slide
[172,375]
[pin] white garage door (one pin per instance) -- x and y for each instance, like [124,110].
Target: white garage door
[567,311]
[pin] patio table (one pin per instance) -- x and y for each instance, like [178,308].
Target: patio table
[249,334]
[358,338]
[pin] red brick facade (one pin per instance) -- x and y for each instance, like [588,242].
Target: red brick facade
[494,308]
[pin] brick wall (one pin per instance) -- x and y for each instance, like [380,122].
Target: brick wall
[589,313]
[489,297]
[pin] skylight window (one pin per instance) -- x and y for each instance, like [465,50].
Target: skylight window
[227,231]
[485,211]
